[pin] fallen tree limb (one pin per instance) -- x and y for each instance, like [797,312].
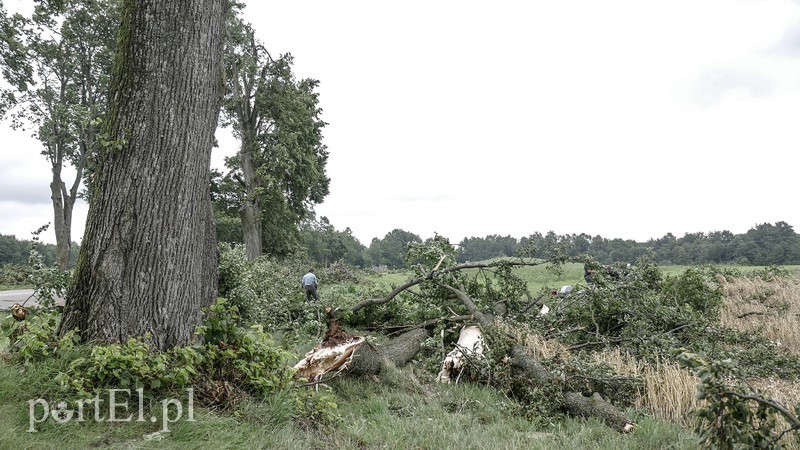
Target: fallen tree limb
[339,352]
[751,313]
[430,275]
[530,368]
[595,406]
[389,330]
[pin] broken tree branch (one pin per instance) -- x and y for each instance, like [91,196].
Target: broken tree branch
[529,367]
[433,273]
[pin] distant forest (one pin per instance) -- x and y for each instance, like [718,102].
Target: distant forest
[14,251]
[763,245]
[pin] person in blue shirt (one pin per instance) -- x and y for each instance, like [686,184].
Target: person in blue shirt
[310,285]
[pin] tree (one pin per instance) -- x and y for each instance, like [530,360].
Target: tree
[324,244]
[15,67]
[60,60]
[148,260]
[435,277]
[390,250]
[279,171]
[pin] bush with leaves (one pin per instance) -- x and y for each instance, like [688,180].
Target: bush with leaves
[266,291]
[341,272]
[694,288]
[35,339]
[15,274]
[131,365]
[735,414]
[49,283]
[227,362]
[641,311]
[246,358]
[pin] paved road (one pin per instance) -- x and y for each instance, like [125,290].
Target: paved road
[8,298]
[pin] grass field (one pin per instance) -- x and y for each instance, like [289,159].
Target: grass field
[405,408]
[402,410]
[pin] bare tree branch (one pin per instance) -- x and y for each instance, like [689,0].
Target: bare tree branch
[433,273]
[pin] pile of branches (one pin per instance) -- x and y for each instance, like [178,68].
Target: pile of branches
[635,309]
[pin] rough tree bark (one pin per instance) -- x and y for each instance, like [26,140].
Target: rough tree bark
[247,119]
[148,258]
[251,208]
[63,204]
[370,360]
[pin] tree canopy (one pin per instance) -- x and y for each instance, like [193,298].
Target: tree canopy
[279,172]
[58,63]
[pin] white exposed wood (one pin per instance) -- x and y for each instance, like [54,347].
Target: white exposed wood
[321,360]
[470,342]
[545,309]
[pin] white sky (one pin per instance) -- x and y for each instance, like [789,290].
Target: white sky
[627,119]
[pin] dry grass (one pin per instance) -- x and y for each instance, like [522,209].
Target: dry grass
[669,389]
[771,308]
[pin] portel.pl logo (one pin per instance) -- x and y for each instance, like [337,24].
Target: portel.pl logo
[118,408]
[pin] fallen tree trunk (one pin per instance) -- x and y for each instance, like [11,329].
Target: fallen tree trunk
[370,360]
[339,352]
[529,368]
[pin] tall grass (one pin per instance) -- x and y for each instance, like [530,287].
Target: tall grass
[770,307]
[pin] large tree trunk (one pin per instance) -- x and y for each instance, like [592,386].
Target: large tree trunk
[62,215]
[63,206]
[369,360]
[251,209]
[148,258]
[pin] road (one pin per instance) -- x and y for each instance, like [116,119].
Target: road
[8,298]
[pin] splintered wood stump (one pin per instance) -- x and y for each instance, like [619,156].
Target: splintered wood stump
[340,352]
[332,354]
[470,342]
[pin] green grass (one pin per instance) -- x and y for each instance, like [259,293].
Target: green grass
[11,287]
[542,277]
[403,409]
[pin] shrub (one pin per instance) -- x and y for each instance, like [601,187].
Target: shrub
[226,363]
[265,291]
[34,339]
[131,365]
[15,274]
[694,289]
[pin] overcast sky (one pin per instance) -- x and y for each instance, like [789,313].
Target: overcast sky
[625,119]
